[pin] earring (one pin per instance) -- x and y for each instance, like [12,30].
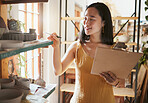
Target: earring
[103,29]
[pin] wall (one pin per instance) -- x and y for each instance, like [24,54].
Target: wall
[50,23]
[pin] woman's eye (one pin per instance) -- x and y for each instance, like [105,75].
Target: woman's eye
[91,19]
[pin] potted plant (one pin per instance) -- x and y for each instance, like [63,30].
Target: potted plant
[14,25]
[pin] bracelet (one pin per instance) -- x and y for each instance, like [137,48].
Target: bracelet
[117,84]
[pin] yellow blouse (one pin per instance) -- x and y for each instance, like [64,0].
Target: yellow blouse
[89,88]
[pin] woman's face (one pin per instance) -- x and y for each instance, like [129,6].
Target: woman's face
[93,22]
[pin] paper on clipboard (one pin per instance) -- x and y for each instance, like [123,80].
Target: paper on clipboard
[119,62]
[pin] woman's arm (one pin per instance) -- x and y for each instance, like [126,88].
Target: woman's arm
[58,65]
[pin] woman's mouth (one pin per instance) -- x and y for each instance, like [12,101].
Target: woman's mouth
[87,28]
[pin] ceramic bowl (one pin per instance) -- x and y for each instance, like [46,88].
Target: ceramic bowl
[23,82]
[123,38]
[2,30]
[25,90]
[10,96]
[7,83]
[11,44]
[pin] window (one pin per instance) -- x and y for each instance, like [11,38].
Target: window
[78,11]
[31,65]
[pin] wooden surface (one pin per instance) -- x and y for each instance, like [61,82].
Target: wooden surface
[21,1]
[143,94]
[123,92]
[4,55]
[65,87]
[114,18]
[117,91]
[3,12]
[26,47]
[39,96]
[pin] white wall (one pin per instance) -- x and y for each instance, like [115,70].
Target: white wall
[14,11]
[50,24]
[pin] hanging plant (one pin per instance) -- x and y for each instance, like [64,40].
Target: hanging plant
[13,24]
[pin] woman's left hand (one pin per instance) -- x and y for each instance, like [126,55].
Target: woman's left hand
[110,78]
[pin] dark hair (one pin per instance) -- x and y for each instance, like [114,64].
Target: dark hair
[104,12]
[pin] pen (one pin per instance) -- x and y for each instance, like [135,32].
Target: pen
[56,36]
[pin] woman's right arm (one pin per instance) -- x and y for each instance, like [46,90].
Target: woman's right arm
[58,65]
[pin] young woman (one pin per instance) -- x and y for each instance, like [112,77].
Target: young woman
[97,32]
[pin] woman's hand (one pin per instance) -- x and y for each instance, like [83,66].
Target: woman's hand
[110,78]
[56,41]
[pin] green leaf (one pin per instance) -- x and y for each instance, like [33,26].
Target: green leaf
[146,17]
[23,58]
[146,2]
[146,8]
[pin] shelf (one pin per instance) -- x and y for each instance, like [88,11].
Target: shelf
[70,71]
[27,46]
[117,91]
[67,87]
[73,18]
[114,18]
[123,92]
[67,42]
[40,95]
[21,1]
[124,18]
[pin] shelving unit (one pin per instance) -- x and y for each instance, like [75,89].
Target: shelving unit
[27,46]
[20,1]
[113,18]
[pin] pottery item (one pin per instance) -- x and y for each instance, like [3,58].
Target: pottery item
[25,90]
[11,44]
[2,30]
[123,38]
[23,82]
[7,83]
[10,96]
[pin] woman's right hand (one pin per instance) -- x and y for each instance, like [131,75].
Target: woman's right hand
[56,41]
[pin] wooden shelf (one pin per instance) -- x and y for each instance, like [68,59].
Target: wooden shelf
[67,42]
[73,18]
[27,46]
[67,87]
[117,91]
[124,18]
[21,1]
[131,43]
[40,95]
[123,92]
[70,71]
[114,18]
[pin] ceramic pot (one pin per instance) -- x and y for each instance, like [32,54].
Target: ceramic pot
[23,82]
[10,96]
[7,83]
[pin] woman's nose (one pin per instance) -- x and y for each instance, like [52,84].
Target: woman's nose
[86,22]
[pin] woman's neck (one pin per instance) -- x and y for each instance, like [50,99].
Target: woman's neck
[95,39]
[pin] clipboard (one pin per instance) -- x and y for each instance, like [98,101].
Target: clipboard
[119,62]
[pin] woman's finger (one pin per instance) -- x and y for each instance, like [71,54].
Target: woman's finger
[107,77]
[112,75]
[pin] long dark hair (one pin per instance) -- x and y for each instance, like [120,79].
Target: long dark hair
[107,35]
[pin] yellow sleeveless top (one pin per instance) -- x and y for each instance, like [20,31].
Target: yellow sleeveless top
[89,88]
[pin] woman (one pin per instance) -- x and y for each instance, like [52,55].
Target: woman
[97,32]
